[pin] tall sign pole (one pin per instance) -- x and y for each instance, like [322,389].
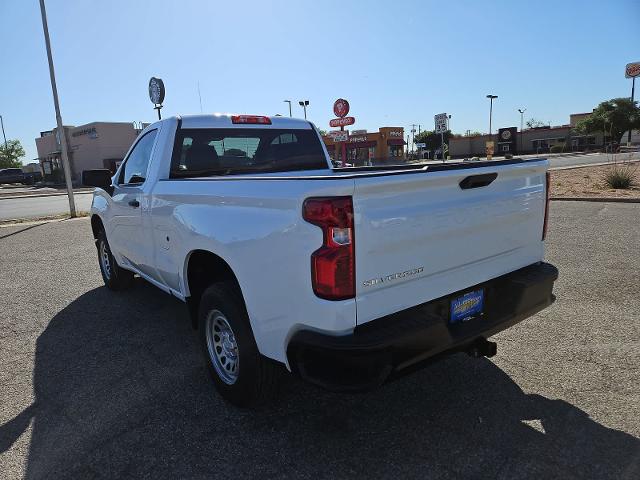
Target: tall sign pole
[341,109]
[441,127]
[632,70]
[63,136]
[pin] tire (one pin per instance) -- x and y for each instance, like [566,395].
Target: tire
[240,373]
[114,276]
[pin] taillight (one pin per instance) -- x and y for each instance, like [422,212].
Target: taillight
[251,119]
[546,205]
[333,265]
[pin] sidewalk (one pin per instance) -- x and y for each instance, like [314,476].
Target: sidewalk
[22,191]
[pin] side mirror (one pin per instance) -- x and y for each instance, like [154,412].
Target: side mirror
[100,178]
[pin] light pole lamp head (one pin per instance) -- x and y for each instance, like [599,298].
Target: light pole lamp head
[304,103]
[522,110]
[492,96]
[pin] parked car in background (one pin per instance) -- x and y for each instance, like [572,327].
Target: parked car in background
[31,178]
[16,175]
[11,175]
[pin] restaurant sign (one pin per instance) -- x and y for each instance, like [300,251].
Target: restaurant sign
[632,70]
[341,107]
[342,122]
[339,135]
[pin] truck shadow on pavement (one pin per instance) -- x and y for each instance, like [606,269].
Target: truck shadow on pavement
[121,391]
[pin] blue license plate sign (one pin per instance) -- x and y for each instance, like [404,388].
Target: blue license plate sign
[467,306]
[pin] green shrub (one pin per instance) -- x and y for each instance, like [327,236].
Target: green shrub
[556,148]
[620,175]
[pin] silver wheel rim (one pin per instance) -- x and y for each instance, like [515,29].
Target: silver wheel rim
[222,346]
[105,263]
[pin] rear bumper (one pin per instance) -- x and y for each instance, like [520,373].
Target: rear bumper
[380,348]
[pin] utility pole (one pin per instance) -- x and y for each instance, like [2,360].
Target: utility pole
[6,151]
[521,110]
[63,136]
[633,91]
[289,102]
[413,137]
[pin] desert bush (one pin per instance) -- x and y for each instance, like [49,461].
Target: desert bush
[556,149]
[621,175]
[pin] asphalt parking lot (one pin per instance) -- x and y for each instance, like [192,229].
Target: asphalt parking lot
[96,384]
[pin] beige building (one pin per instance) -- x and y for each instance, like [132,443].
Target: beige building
[532,140]
[94,145]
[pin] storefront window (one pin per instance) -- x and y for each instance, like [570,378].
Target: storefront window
[396,151]
[358,156]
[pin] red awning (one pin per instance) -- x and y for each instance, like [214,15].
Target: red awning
[396,141]
[361,144]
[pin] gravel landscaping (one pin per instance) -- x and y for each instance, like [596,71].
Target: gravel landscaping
[590,182]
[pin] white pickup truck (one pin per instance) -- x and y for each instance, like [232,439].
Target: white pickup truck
[344,276]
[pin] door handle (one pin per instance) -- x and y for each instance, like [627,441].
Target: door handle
[477,181]
[134,203]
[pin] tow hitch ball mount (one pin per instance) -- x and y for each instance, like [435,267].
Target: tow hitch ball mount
[482,348]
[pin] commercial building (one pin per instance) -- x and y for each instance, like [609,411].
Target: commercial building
[94,145]
[369,148]
[530,140]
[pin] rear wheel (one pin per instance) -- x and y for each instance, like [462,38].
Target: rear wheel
[240,373]
[115,277]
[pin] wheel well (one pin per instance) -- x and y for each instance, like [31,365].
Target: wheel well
[96,225]
[203,269]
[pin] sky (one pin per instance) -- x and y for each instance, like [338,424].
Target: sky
[397,62]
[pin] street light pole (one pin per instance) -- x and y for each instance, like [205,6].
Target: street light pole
[6,151]
[490,97]
[63,137]
[521,110]
[289,102]
[304,104]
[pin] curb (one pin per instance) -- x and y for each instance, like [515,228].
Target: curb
[39,195]
[603,164]
[596,199]
[15,222]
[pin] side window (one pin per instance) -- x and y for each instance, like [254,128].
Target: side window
[135,167]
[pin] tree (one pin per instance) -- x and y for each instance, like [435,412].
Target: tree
[433,140]
[11,155]
[614,116]
[322,132]
[534,123]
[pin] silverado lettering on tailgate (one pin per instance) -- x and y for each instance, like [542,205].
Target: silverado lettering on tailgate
[393,276]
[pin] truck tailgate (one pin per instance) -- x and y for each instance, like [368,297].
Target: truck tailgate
[420,236]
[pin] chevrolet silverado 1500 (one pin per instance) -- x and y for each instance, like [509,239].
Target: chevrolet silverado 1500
[344,276]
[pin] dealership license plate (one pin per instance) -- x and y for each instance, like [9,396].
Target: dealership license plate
[467,306]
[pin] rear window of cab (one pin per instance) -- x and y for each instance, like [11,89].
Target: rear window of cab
[202,152]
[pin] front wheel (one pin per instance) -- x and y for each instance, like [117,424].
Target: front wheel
[115,277]
[240,373]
